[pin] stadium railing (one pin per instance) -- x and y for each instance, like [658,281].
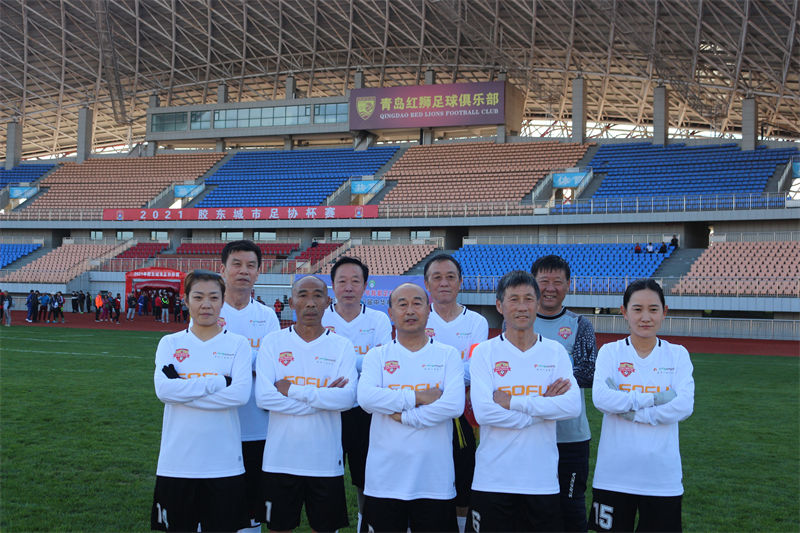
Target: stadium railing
[735,328]
[596,238]
[268,266]
[761,236]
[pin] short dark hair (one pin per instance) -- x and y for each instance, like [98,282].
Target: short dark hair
[344,260]
[515,278]
[441,257]
[550,263]
[243,245]
[643,285]
[202,275]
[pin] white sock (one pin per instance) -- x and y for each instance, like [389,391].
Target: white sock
[359,523]
[462,523]
[251,529]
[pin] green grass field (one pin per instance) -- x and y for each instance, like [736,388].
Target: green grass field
[80,428]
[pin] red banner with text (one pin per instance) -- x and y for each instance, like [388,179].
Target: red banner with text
[244,213]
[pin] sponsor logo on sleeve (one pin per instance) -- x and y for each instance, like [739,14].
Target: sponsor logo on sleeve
[626,369]
[391,366]
[285,358]
[565,332]
[430,332]
[181,354]
[502,368]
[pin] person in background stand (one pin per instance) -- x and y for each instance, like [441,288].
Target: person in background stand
[576,334]
[674,242]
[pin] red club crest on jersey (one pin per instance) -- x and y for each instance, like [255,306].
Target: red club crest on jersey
[502,368]
[626,369]
[332,329]
[565,332]
[286,358]
[221,322]
[391,366]
[181,354]
[430,332]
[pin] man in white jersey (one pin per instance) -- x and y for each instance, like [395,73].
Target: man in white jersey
[305,376]
[414,387]
[241,263]
[576,334]
[522,384]
[202,375]
[454,324]
[365,328]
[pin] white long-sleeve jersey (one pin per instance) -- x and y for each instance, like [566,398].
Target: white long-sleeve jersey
[414,458]
[304,437]
[200,434]
[643,456]
[369,329]
[518,453]
[461,333]
[255,321]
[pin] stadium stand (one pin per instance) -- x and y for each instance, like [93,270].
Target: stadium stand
[476,172]
[116,183]
[144,250]
[289,178]
[745,268]
[316,253]
[269,250]
[60,265]
[25,173]
[680,177]
[389,259]
[11,252]
[595,267]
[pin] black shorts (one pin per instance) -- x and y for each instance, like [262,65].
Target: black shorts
[217,504]
[387,514]
[463,459]
[497,511]
[355,442]
[285,494]
[253,457]
[616,511]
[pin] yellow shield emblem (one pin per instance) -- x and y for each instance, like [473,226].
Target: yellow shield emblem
[365,105]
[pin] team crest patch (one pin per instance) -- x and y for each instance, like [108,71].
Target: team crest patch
[332,329]
[626,369]
[181,354]
[365,105]
[221,322]
[430,332]
[565,332]
[286,358]
[391,366]
[502,368]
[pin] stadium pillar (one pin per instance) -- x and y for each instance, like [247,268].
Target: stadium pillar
[222,93]
[660,115]
[291,88]
[430,77]
[287,142]
[220,145]
[85,119]
[749,123]
[363,140]
[13,144]
[578,110]
[358,80]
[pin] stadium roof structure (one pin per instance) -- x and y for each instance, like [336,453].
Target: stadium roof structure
[57,56]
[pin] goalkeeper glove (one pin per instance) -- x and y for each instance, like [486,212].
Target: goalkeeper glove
[170,372]
[660,398]
[228,380]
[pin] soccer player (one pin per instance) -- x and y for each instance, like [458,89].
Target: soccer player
[414,387]
[644,387]
[241,262]
[576,334]
[202,375]
[453,324]
[305,375]
[522,383]
[365,328]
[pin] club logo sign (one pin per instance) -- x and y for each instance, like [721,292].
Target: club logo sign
[181,354]
[565,332]
[365,105]
[626,369]
[430,332]
[286,358]
[502,368]
[391,366]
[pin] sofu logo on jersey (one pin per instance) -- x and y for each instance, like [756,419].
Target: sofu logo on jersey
[523,390]
[361,350]
[627,387]
[417,387]
[308,380]
[255,343]
[193,375]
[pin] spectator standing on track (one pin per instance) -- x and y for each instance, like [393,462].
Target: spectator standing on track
[82,299]
[74,301]
[278,306]
[157,306]
[116,304]
[9,300]
[176,309]
[44,308]
[130,310]
[2,303]
[141,303]
[58,307]
[165,308]
[98,306]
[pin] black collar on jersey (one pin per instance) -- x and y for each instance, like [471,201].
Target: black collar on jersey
[502,338]
[628,341]
[553,317]
[463,309]
[291,330]
[363,309]
[394,341]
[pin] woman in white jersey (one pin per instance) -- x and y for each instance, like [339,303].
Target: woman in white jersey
[202,374]
[644,387]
